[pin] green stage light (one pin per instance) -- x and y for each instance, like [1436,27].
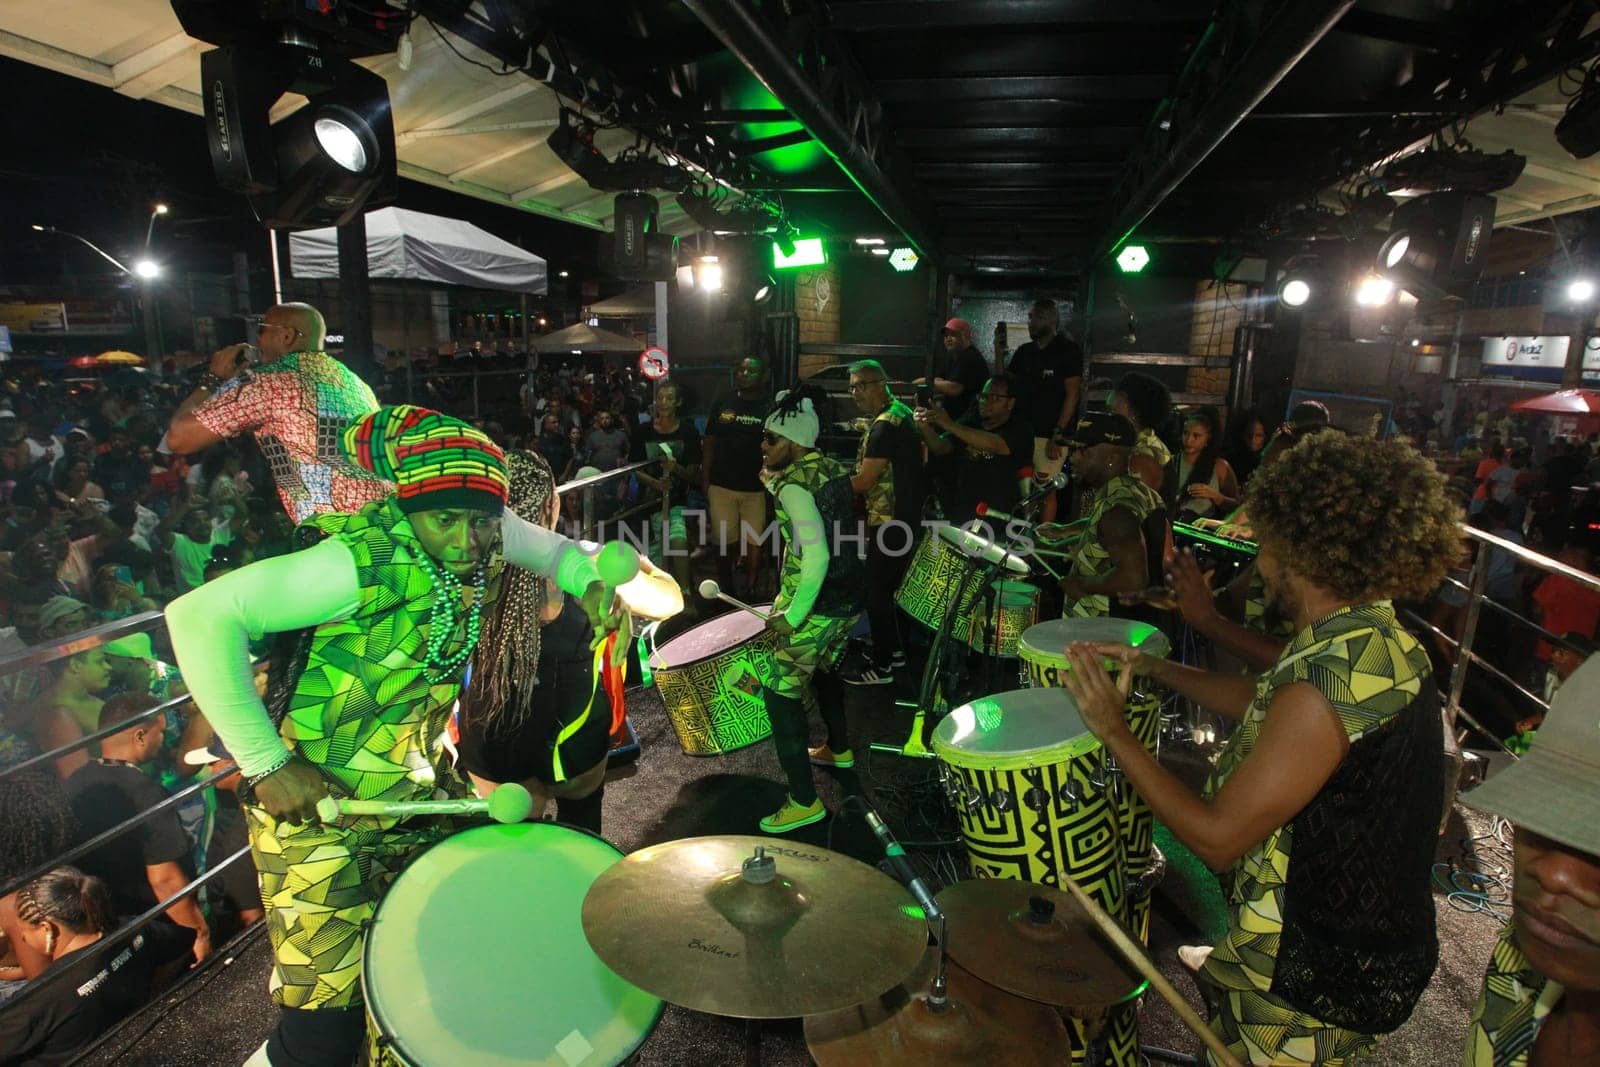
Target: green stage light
[1133,259]
[903,259]
[807,253]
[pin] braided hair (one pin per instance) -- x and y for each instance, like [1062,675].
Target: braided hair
[788,401]
[70,898]
[505,666]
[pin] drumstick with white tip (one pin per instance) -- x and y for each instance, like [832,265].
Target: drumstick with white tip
[509,803]
[712,591]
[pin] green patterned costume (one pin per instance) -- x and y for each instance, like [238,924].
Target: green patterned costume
[1370,670]
[363,712]
[1515,1003]
[1091,560]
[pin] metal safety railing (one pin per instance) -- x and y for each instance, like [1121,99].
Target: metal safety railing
[46,653]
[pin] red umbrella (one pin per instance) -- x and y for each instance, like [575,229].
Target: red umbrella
[82,361]
[1565,402]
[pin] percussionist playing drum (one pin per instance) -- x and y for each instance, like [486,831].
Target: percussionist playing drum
[1324,808]
[820,594]
[1112,557]
[395,594]
[537,712]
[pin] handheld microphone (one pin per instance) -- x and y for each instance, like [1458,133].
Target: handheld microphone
[902,866]
[618,564]
[987,512]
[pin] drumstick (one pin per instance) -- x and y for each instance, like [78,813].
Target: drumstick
[710,590]
[1135,955]
[509,803]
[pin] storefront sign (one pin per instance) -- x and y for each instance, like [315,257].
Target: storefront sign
[1542,358]
[34,318]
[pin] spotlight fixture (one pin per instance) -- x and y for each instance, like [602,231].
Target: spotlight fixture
[641,252]
[148,269]
[1133,259]
[869,240]
[323,164]
[764,291]
[1436,243]
[573,142]
[708,274]
[879,251]
[803,252]
[562,274]
[1294,292]
[1374,291]
[1580,290]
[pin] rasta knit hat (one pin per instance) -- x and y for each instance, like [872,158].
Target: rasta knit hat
[434,461]
[795,417]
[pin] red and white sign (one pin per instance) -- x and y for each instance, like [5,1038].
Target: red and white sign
[653,363]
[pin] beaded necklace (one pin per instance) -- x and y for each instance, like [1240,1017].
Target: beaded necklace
[442,620]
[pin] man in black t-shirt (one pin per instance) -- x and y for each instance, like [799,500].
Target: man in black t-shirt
[888,474]
[960,370]
[147,863]
[1049,374]
[676,443]
[732,466]
[990,448]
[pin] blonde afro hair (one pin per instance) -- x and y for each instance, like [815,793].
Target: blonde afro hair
[1365,519]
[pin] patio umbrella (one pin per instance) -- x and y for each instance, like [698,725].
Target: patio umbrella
[119,358]
[86,362]
[584,338]
[1565,402]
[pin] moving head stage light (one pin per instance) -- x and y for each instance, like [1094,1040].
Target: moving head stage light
[325,163]
[1436,243]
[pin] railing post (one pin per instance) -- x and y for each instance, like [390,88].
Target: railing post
[588,511]
[1469,628]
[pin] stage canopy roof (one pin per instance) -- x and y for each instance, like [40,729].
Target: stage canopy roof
[427,248]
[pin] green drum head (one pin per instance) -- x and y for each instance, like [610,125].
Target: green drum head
[477,956]
[1022,728]
[1045,641]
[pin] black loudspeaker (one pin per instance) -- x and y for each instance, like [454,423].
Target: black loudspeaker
[1437,242]
[640,252]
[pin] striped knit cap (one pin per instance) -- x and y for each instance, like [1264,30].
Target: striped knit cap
[434,461]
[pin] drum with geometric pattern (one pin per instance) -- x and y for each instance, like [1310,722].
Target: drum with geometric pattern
[1026,779]
[711,677]
[938,571]
[1138,825]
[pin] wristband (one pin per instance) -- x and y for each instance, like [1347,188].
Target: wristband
[248,788]
[209,382]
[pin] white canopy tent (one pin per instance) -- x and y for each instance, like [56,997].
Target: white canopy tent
[428,248]
[580,337]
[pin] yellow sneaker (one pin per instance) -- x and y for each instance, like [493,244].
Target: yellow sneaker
[823,756]
[792,816]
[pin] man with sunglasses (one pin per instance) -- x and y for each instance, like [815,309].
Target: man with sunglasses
[990,446]
[297,402]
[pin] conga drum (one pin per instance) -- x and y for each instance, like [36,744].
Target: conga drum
[941,574]
[1042,651]
[711,677]
[477,956]
[1026,778]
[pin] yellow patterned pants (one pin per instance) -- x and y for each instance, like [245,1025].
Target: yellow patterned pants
[320,886]
[1260,1029]
[815,646]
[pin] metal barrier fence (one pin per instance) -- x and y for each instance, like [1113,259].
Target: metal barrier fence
[44,654]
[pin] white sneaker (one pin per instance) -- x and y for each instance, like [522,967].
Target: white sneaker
[1194,956]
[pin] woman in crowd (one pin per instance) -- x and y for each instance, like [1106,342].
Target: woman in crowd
[1200,483]
[1247,436]
[537,711]
[64,915]
[676,443]
[1323,811]
[74,486]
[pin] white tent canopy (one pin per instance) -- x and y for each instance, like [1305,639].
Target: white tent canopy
[633,303]
[428,248]
[580,337]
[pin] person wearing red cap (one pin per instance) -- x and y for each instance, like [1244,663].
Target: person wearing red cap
[960,371]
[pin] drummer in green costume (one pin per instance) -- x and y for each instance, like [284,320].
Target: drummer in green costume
[1112,556]
[392,599]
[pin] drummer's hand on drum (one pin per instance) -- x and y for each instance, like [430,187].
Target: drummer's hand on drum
[291,792]
[1190,591]
[1100,701]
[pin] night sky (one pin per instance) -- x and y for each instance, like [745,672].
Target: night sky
[86,159]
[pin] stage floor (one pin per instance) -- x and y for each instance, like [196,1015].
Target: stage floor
[222,1013]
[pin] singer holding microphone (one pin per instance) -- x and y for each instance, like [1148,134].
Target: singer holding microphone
[381,618]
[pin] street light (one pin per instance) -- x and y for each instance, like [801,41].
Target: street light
[102,253]
[150,229]
[148,269]
[1580,290]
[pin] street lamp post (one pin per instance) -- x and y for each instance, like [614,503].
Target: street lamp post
[144,272]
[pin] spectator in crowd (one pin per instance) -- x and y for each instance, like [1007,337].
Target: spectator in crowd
[554,445]
[736,501]
[151,861]
[36,825]
[119,467]
[70,707]
[1512,485]
[66,916]
[676,443]
[75,487]
[990,447]
[1199,482]
[606,442]
[1564,606]
[297,403]
[1247,436]
[189,536]
[1048,370]
[959,371]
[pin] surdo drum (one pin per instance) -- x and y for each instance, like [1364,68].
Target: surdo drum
[939,573]
[477,956]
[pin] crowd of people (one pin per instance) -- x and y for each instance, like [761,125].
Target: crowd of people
[419,543]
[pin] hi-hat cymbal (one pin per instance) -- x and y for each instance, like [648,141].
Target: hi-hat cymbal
[1034,941]
[979,1024]
[691,922]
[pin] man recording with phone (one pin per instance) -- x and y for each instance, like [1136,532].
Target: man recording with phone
[297,402]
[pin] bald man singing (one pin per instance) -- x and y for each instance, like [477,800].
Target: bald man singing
[297,402]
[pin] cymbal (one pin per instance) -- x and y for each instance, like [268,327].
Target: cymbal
[1034,941]
[693,923]
[980,1024]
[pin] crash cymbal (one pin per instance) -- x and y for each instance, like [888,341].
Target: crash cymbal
[803,931]
[979,1024]
[1034,941]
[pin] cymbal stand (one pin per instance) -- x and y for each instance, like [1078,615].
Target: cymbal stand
[939,992]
